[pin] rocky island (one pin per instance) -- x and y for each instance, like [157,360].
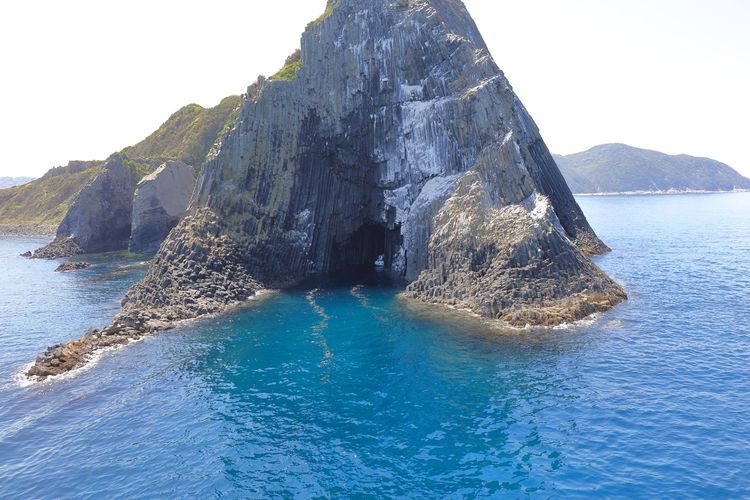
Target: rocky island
[391,134]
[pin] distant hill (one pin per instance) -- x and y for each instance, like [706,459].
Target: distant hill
[6,182]
[618,168]
[188,136]
[44,201]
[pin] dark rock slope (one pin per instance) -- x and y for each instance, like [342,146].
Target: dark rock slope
[395,134]
[99,219]
[618,168]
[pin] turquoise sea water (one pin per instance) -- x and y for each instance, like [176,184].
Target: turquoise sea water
[336,389]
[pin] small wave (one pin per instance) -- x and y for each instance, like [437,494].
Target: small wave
[356,292]
[22,380]
[581,323]
[311,295]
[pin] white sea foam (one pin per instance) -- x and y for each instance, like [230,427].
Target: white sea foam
[22,380]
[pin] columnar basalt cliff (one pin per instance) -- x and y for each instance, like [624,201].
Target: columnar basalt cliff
[394,134]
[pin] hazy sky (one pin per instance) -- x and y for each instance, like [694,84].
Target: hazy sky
[84,78]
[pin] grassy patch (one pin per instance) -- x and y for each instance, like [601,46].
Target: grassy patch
[187,135]
[288,72]
[44,200]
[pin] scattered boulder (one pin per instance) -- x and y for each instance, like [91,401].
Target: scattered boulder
[72,266]
[159,203]
[28,254]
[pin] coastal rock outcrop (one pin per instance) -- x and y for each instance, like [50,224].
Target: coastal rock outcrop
[159,203]
[394,134]
[99,219]
[72,266]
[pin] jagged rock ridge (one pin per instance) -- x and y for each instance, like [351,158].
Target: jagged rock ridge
[397,136]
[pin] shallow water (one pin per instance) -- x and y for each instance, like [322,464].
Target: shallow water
[345,390]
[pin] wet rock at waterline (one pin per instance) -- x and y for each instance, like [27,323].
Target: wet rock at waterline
[72,266]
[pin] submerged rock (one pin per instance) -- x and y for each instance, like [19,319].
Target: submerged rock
[394,134]
[99,219]
[72,266]
[160,201]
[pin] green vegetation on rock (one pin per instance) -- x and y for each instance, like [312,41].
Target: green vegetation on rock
[330,7]
[45,201]
[292,64]
[187,136]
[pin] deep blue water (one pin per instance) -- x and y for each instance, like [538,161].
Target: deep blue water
[346,391]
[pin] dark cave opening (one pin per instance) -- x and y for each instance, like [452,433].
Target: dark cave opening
[371,247]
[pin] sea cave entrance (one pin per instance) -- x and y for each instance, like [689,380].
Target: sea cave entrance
[371,247]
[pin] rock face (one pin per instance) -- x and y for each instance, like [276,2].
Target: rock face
[397,136]
[160,201]
[99,219]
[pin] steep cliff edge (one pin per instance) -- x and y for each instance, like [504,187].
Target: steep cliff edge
[394,134]
[99,219]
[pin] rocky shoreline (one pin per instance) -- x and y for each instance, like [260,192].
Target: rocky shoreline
[211,282]
[59,248]
[28,230]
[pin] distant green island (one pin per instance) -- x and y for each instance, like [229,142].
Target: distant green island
[619,168]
